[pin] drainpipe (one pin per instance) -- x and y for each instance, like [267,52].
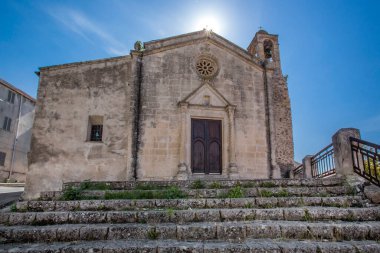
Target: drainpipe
[136,127]
[15,139]
[267,119]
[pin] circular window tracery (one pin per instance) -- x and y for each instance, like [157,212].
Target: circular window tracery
[206,67]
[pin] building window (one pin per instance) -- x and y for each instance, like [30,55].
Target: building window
[95,128]
[11,97]
[2,158]
[96,133]
[7,124]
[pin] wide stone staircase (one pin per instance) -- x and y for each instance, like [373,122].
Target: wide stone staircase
[314,215]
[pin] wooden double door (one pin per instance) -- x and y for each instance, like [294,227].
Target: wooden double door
[206,146]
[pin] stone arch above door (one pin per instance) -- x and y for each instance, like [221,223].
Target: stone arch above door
[207,103]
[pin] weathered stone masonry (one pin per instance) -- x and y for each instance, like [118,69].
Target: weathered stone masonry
[146,102]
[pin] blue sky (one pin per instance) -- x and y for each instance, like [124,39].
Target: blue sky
[330,49]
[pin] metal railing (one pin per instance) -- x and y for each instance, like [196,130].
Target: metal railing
[366,159]
[298,172]
[322,163]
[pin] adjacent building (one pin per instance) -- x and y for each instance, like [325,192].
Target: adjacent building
[190,106]
[16,120]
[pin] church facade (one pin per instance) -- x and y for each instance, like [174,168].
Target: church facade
[185,107]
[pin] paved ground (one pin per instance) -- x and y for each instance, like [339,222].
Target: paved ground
[9,195]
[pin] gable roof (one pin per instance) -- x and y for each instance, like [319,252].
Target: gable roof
[160,45]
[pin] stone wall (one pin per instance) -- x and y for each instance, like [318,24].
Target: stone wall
[169,77]
[67,96]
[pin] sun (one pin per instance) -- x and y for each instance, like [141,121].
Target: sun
[209,22]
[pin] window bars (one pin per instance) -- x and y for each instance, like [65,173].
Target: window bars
[366,159]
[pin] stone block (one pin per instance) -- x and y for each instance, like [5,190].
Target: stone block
[50,218]
[263,246]
[207,215]
[35,234]
[269,214]
[68,233]
[121,217]
[374,231]
[242,203]
[294,214]
[298,246]
[233,232]
[117,232]
[351,231]
[119,204]
[91,205]
[289,202]
[294,230]
[328,213]
[144,203]
[237,214]
[372,192]
[153,217]
[67,206]
[21,218]
[335,201]
[263,230]
[22,206]
[41,206]
[312,201]
[218,203]
[182,216]
[93,233]
[191,203]
[333,247]
[87,217]
[166,203]
[177,247]
[321,231]
[4,218]
[5,235]
[196,231]
[267,202]
[166,232]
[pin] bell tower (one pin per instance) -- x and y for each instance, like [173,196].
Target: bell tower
[264,49]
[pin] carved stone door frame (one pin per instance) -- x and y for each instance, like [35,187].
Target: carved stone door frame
[226,116]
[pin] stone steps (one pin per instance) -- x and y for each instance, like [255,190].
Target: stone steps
[196,215]
[207,184]
[161,246]
[283,216]
[127,204]
[321,191]
[201,231]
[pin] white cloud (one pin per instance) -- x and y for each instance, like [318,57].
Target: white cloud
[89,30]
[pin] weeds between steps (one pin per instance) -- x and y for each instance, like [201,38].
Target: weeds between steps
[173,192]
[234,192]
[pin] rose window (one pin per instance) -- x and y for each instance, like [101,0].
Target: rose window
[206,67]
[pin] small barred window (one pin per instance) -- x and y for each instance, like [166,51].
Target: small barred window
[95,128]
[96,133]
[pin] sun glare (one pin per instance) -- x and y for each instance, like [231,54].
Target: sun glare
[209,22]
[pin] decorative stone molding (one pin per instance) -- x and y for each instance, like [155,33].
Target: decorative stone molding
[218,108]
